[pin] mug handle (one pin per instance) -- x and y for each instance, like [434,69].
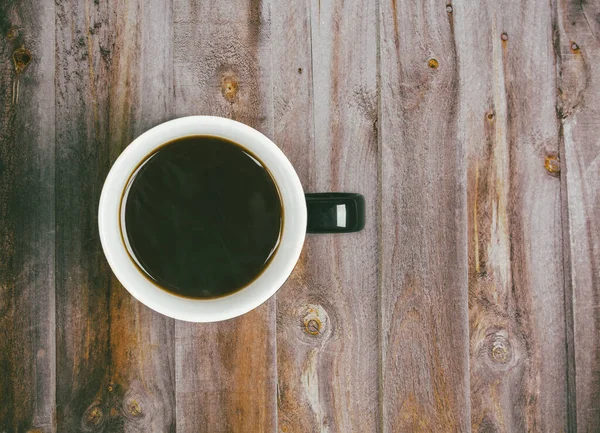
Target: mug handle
[335,212]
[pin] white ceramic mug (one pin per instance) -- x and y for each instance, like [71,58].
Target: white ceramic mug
[336,212]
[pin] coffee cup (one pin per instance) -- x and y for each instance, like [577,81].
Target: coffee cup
[124,233]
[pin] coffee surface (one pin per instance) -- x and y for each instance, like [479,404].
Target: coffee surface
[202,217]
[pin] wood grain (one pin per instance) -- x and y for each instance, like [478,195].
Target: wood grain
[82,159]
[577,46]
[302,329]
[27,374]
[327,332]
[470,302]
[115,363]
[424,324]
[142,368]
[225,372]
[508,125]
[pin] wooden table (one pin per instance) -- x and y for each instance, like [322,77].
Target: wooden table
[470,302]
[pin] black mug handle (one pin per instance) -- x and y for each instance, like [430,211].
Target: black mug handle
[335,212]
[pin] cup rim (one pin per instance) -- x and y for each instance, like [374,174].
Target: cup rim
[237,303]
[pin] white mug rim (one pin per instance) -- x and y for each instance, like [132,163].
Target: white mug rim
[280,265]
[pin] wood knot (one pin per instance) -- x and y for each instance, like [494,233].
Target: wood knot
[229,87]
[133,408]
[552,165]
[12,33]
[313,326]
[500,348]
[134,402]
[499,351]
[504,36]
[93,416]
[433,63]
[315,321]
[21,58]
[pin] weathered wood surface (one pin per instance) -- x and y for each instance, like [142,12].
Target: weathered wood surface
[27,380]
[326,122]
[469,303]
[424,326]
[226,372]
[115,358]
[509,128]
[577,47]
[142,368]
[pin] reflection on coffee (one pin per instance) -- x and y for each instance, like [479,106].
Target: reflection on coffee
[203,217]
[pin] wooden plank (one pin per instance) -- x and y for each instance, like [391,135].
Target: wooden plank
[327,313]
[225,372]
[577,46]
[115,361]
[142,368]
[508,125]
[27,374]
[300,374]
[424,324]
[82,275]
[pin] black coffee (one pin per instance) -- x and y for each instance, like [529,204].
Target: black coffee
[202,217]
